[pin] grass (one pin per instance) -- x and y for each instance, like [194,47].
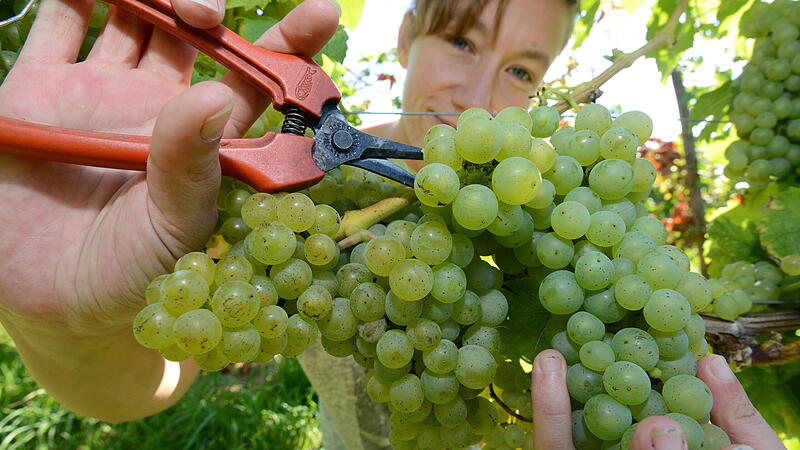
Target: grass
[268,406]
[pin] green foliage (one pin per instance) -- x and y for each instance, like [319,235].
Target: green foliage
[351,12]
[584,24]
[780,224]
[712,105]
[776,395]
[522,334]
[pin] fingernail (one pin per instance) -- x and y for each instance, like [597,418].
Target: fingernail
[549,364]
[667,438]
[215,125]
[337,5]
[721,370]
[743,447]
[210,4]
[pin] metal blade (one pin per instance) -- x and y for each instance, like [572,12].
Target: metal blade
[386,169]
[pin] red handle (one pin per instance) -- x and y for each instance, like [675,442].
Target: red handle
[272,163]
[288,79]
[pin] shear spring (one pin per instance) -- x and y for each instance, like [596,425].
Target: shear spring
[19,15]
[294,122]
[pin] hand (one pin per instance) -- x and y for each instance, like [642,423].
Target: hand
[82,243]
[732,410]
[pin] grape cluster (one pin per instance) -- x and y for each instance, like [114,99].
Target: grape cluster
[742,282]
[766,111]
[421,302]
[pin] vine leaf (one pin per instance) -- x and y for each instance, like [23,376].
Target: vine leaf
[585,22]
[252,29]
[712,105]
[780,235]
[522,334]
[351,12]
[246,4]
[336,48]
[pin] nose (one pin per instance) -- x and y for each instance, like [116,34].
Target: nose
[475,90]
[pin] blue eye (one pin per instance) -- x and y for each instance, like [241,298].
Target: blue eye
[522,74]
[460,43]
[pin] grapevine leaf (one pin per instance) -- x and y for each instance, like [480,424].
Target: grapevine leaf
[730,7]
[336,48]
[522,334]
[351,12]
[585,22]
[780,235]
[777,397]
[712,105]
[246,4]
[253,29]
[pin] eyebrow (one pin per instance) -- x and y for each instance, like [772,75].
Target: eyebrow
[537,55]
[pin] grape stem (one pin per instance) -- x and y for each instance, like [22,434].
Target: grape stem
[737,339]
[361,219]
[505,407]
[356,238]
[589,90]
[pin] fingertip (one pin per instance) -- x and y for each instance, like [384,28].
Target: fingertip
[658,433]
[200,13]
[305,30]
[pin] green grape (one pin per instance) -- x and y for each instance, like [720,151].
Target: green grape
[471,113]
[431,242]
[618,143]
[211,361]
[152,294]
[493,308]
[231,268]
[322,192]
[541,217]
[660,271]
[696,289]
[583,327]
[271,321]
[653,227]
[297,211]
[378,391]
[436,184]
[626,382]
[152,326]
[565,175]
[542,154]
[174,353]
[265,290]
[442,358]
[560,138]
[695,329]
[486,337]
[666,369]
[581,436]
[314,303]
[340,324]
[424,334]
[516,115]
[478,139]
[183,291]
[452,413]
[300,332]
[476,366]
[462,252]
[439,130]
[368,301]
[402,312]
[439,388]
[259,208]
[638,123]
[394,349]
[560,293]
[516,141]
[544,121]
[382,254]
[611,179]
[632,292]
[198,262]
[197,332]
[583,383]
[692,430]
[606,228]
[671,345]
[435,310]
[554,251]
[270,347]
[326,221]
[411,279]
[526,254]
[467,310]
[320,249]
[515,180]
[791,264]
[687,395]
[586,197]
[667,310]
[644,174]
[350,275]
[714,437]
[519,237]
[406,394]
[635,245]
[234,201]
[291,278]
[475,207]
[449,283]
[653,406]
[584,146]
[676,255]
[594,271]
[596,355]
[625,208]
[605,307]
[570,220]
[593,117]
[235,303]
[442,150]
[240,345]
[605,417]
[509,219]
[271,243]
[622,267]
[636,346]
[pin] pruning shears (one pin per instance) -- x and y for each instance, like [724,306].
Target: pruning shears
[285,161]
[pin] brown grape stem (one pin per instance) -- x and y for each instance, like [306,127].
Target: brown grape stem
[737,339]
[356,238]
[505,407]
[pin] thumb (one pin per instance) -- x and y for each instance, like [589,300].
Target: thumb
[183,171]
[658,433]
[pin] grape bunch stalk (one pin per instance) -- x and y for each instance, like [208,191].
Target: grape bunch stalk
[422,302]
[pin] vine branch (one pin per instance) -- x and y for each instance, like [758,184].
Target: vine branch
[505,407]
[663,38]
[737,339]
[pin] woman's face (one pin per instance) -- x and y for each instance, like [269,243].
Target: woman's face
[449,72]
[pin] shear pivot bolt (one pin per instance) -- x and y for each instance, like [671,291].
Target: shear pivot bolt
[342,140]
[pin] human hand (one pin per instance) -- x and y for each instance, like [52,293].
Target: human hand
[732,410]
[82,243]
